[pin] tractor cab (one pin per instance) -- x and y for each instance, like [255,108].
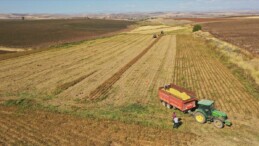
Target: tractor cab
[207,106]
[206,112]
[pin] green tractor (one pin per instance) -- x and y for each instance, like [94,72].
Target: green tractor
[206,113]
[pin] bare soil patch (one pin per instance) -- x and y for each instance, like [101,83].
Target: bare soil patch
[44,33]
[4,52]
[243,33]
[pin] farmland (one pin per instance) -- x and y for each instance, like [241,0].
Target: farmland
[55,129]
[241,32]
[207,78]
[108,86]
[3,52]
[44,33]
[201,20]
[154,29]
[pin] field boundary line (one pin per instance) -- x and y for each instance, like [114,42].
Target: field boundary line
[161,66]
[67,85]
[106,85]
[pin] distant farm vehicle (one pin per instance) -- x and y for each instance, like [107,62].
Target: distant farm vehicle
[162,32]
[154,36]
[173,96]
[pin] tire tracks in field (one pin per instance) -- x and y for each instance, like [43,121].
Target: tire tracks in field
[61,64]
[10,65]
[72,83]
[106,85]
[161,66]
[98,69]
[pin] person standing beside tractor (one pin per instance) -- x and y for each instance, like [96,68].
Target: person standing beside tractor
[175,120]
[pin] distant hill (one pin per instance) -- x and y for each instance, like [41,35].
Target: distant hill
[130,16]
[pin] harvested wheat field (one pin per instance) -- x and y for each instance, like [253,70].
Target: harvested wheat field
[197,69]
[60,69]
[154,29]
[105,92]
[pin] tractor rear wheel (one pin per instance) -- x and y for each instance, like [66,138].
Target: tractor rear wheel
[218,123]
[199,117]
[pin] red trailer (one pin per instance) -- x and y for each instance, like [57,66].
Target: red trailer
[170,97]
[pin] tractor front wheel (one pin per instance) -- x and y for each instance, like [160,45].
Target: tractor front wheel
[199,117]
[218,123]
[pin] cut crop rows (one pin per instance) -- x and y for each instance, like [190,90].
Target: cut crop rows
[197,69]
[141,81]
[47,71]
[104,88]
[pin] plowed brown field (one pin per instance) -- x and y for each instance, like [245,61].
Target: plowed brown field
[44,33]
[241,32]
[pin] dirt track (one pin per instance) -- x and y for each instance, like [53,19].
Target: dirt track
[44,128]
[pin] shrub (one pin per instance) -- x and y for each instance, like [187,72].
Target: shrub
[22,102]
[196,27]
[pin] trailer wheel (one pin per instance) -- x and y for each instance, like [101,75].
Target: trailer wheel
[168,106]
[199,117]
[163,103]
[218,123]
